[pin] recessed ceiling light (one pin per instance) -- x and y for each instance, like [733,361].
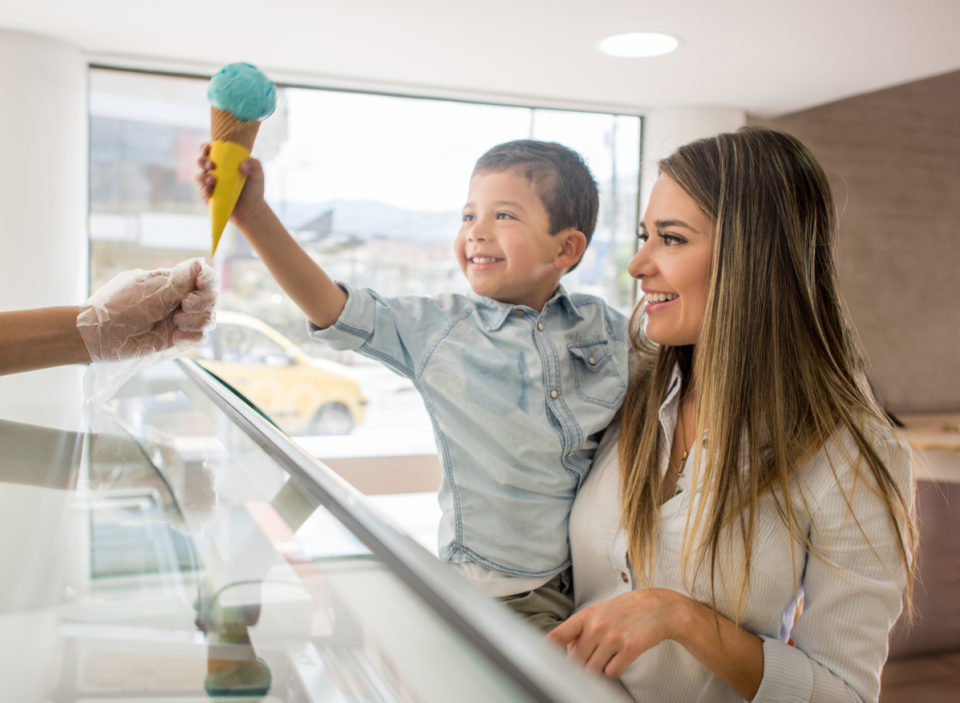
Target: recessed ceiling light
[638,45]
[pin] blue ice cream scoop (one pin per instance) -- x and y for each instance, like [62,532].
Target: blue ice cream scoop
[242,90]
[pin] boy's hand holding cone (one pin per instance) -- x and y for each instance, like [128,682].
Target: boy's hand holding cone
[240,98]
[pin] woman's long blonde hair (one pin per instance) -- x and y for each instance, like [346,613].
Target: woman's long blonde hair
[778,371]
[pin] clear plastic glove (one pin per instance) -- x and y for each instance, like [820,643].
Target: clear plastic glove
[141,318]
[141,312]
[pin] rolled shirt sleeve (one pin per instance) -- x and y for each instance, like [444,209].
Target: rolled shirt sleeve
[390,330]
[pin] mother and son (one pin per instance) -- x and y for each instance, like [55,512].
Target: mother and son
[704,501]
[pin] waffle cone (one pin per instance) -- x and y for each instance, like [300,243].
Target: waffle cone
[227,127]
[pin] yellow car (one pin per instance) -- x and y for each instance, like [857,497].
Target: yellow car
[302,394]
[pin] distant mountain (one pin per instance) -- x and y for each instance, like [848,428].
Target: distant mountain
[366,219]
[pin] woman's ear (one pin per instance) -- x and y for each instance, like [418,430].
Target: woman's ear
[573,243]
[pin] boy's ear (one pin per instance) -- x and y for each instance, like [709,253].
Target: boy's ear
[573,243]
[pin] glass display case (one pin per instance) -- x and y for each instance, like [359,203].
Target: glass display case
[174,546]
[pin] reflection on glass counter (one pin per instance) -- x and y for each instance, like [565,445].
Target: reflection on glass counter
[178,548]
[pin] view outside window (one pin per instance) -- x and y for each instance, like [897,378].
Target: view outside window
[372,186]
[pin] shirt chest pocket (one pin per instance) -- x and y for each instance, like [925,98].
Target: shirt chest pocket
[597,375]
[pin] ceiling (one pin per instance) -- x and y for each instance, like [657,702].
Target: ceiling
[767,57]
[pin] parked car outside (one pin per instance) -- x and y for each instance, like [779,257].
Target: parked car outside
[302,394]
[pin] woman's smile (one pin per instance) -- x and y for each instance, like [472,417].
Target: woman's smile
[656,302]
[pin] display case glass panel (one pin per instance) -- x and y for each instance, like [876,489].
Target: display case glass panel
[176,546]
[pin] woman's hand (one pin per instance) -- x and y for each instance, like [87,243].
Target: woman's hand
[607,637]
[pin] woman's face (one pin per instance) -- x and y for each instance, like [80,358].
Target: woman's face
[673,264]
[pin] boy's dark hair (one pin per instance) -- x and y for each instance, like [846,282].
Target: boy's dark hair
[562,179]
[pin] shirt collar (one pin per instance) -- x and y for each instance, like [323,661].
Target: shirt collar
[671,402]
[493,313]
[670,407]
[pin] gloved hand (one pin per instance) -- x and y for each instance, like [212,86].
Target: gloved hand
[141,312]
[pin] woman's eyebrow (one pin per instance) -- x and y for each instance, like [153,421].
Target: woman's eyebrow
[662,224]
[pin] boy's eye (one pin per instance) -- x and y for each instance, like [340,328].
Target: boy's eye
[467,217]
[505,216]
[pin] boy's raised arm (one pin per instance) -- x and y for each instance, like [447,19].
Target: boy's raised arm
[300,276]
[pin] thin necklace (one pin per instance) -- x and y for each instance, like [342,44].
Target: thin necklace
[683,441]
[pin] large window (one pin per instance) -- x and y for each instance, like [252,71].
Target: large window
[371,185]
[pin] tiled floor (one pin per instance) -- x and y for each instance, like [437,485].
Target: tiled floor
[934,679]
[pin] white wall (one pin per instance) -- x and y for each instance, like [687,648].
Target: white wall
[43,179]
[43,198]
[668,128]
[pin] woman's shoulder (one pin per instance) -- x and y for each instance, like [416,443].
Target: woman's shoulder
[852,458]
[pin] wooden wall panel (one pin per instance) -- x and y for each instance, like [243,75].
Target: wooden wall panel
[893,159]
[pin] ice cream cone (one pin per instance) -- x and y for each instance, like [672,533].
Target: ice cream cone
[227,127]
[240,98]
[232,142]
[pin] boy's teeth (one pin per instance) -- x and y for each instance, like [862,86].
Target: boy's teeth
[660,297]
[483,260]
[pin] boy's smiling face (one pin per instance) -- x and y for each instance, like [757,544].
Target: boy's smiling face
[504,246]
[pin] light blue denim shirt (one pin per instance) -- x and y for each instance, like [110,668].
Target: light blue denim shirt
[518,402]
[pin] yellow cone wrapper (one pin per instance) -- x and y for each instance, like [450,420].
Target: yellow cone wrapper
[232,142]
[227,156]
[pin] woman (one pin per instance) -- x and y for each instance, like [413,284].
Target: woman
[762,493]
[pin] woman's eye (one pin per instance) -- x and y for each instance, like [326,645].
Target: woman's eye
[642,237]
[672,240]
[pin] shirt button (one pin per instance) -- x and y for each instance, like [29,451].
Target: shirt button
[540,326]
[518,313]
[592,361]
[624,577]
[554,394]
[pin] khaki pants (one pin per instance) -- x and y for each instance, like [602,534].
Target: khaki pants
[547,606]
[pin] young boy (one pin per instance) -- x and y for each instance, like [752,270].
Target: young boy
[519,378]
